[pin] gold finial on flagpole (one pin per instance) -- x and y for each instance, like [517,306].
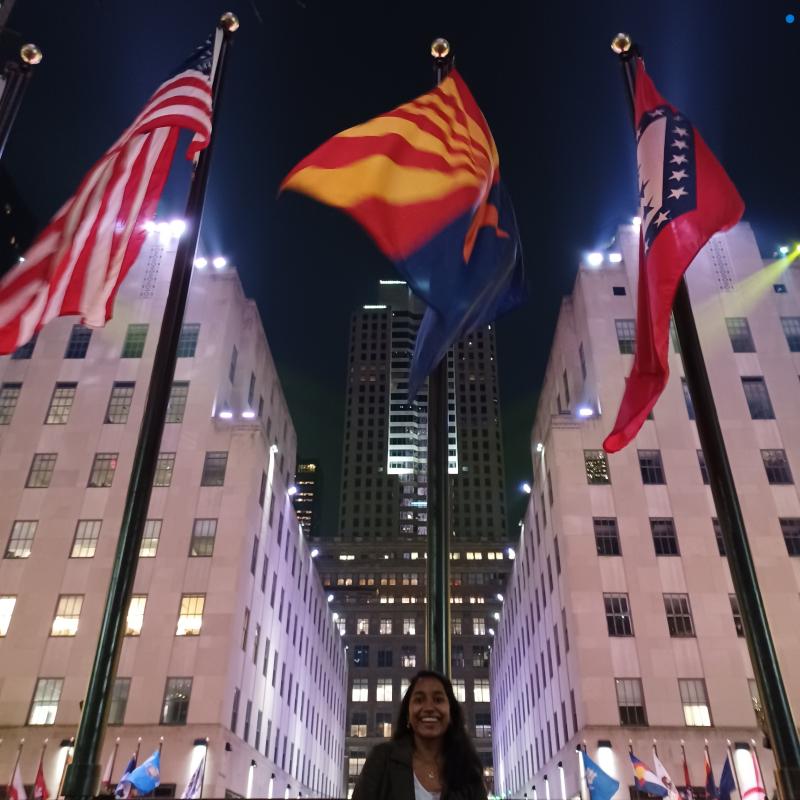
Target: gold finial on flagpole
[229,21]
[440,48]
[30,54]
[621,43]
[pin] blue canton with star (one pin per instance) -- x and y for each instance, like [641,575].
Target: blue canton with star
[200,59]
[679,183]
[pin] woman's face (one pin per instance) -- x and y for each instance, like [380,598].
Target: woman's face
[429,709]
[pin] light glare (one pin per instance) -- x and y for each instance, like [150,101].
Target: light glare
[292,490]
[219,262]
[226,414]
[594,259]
[526,487]
[201,263]
[585,411]
[249,414]
[615,258]
[314,553]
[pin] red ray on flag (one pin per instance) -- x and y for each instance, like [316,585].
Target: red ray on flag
[77,263]
[686,197]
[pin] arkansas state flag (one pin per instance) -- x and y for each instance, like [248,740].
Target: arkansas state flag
[686,197]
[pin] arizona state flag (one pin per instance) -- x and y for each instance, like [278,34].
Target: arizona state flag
[686,197]
[424,181]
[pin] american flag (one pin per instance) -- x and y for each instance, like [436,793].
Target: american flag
[77,263]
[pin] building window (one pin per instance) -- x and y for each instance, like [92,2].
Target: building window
[360,690]
[651,467]
[78,342]
[358,724]
[455,626]
[232,366]
[135,616]
[41,470]
[696,712]
[20,542]
[103,468]
[679,615]
[408,657]
[687,399]
[701,462]
[214,468]
[246,625]
[618,615]
[791,330]
[409,626]
[7,603]
[737,615]
[341,625]
[235,708]
[718,536]
[187,343]
[204,532]
[385,658]
[361,655]
[630,701]
[384,690]
[150,537]
[119,403]
[68,613]
[596,465]
[176,406]
[480,656]
[44,704]
[177,693]
[362,625]
[779,288]
[87,531]
[190,618]
[480,690]
[665,539]
[385,625]
[606,536]
[460,689]
[790,527]
[478,626]
[9,394]
[119,701]
[626,335]
[777,466]
[25,352]
[60,404]
[383,723]
[135,337]
[164,467]
[740,336]
[582,357]
[757,396]
[355,762]
[483,725]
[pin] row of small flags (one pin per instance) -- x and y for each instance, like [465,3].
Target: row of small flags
[136,780]
[657,782]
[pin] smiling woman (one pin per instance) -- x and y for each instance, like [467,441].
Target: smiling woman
[430,756]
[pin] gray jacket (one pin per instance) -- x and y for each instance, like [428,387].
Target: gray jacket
[388,775]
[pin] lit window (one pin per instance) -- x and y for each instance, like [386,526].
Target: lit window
[20,542]
[383,723]
[409,626]
[150,537]
[386,625]
[341,625]
[68,612]
[60,404]
[103,468]
[175,708]
[176,406]
[362,625]
[360,690]
[355,763]
[84,544]
[384,691]
[408,657]
[455,626]
[478,626]
[596,465]
[164,468]
[483,725]
[41,470]
[358,724]
[480,690]
[696,712]
[190,618]
[135,617]
[45,701]
[630,701]
[204,532]
[9,394]
[7,603]
[135,337]
[404,685]
[460,690]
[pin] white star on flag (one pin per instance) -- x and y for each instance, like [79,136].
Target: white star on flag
[680,144]
[679,175]
[678,159]
[678,193]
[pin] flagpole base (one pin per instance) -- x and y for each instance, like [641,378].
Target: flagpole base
[81,781]
[788,780]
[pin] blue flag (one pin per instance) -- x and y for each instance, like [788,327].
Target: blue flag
[147,775]
[124,785]
[601,785]
[726,782]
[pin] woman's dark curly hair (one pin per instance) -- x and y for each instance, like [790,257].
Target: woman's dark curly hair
[462,766]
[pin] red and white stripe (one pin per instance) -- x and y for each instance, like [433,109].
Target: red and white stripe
[77,263]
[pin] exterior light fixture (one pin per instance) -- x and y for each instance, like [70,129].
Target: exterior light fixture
[594,259]
[539,447]
[226,413]
[248,414]
[330,598]
[491,631]
[177,228]
[526,487]
[149,226]
[314,553]
[335,616]
[783,250]
[511,554]
[499,597]
[273,448]
[585,411]
[252,762]
[219,262]
[496,615]
[201,263]
[615,258]
[636,222]
[292,491]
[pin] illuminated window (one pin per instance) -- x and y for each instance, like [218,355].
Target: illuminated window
[480,690]
[60,404]
[175,708]
[478,626]
[696,711]
[404,684]
[164,468]
[384,690]
[20,542]
[103,468]
[44,704]
[596,465]
[87,533]
[383,724]
[460,690]
[341,625]
[150,537]
[204,532]
[119,403]
[135,617]
[408,657]
[135,337]
[360,690]
[358,724]
[190,618]
[355,762]
[386,625]
[483,725]
[7,603]
[68,612]
[455,626]
[409,626]
[9,394]
[362,625]
[176,406]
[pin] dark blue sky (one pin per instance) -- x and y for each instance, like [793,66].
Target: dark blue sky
[302,70]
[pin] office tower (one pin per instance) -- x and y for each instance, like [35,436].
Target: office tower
[228,633]
[375,569]
[620,622]
[307,500]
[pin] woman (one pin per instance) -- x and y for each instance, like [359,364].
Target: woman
[430,756]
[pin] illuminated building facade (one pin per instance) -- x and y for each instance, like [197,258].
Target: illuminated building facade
[307,500]
[228,635]
[620,623]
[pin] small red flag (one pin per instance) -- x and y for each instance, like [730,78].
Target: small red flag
[686,197]
[39,785]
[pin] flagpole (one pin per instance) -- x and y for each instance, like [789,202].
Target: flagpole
[690,792]
[16,762]
[777,711]
[67,762]
[81,779]
[113,761]
[17,75]
[437,631]
[138,749]
[40,770]
[203,771]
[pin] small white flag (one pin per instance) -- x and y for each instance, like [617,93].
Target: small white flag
[663,776]
[16,789]
[195,785]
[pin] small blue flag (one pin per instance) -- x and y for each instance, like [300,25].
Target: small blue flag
[124,785]
[601,785]
[726,782]
[147,775]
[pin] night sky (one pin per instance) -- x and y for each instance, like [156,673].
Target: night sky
[302,70]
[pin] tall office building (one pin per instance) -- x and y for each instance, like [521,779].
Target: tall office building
[228,634]
[375,569]
[620,624]
[307,499]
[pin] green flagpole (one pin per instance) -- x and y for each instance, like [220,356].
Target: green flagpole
[81,779]
[777,711]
